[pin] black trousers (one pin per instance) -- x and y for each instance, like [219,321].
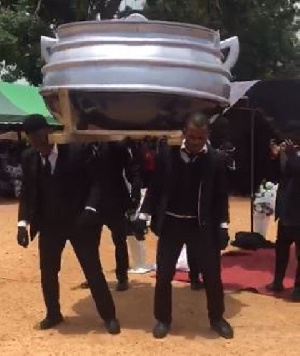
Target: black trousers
[286,236]
[176,233]
[117,224]
[51,245]
[194,263]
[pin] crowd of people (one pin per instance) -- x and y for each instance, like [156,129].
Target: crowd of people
[69,192]
[10,169]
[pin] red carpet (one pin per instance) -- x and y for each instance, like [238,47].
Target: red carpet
[251,270]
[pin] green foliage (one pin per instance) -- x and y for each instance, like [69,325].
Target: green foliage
[23,22]
[268,35]
[267,31]
[20,33]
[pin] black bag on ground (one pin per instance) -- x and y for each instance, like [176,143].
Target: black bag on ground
[251,241]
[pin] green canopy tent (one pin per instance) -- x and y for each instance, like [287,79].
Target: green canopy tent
[16,102]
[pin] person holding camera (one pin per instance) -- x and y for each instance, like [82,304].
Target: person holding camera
[287,212]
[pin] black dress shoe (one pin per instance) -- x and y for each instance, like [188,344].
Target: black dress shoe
[160,330]
[122,285]
[296,294]
[196,285]
[112,326]
[223,328]
[275,287]
[50,322]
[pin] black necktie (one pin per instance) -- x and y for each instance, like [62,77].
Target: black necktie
[47,166]
[191,156]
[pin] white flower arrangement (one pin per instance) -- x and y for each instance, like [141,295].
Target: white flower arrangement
[264,202]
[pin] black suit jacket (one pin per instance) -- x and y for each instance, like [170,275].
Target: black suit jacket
[213,191]
[74,169]
[288,195]
[115,160]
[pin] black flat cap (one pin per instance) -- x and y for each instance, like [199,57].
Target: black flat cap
[34,123]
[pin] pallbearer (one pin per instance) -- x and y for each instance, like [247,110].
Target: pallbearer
[188,203]
[57,202]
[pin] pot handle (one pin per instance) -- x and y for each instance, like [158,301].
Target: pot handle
[135,17]
[46,47]
[234,48]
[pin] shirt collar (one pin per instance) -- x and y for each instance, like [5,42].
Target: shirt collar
[204,149]
[53,151]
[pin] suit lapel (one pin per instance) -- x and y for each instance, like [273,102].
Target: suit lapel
[61,159]
[207,184]
[34,172]
[207,165]
[35,166]
[169,166]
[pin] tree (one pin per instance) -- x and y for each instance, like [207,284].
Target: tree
[192,11]
[267,31]
[20,33]
[268,35]
[23,22]
[64,11]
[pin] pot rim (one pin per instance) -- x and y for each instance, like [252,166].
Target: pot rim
[65,28]
[141,89]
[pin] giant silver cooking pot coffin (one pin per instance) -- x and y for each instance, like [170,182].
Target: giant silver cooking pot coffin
[134,73]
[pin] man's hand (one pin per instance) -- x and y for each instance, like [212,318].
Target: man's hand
[134,204]
[223,238]
[274,149]
[138,224]
[289,147]
[139,228]
[22,237]
[88,219]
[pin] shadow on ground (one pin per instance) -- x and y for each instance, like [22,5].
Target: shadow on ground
[133,314]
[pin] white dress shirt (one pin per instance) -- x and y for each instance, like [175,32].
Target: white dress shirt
[52,157]
[184,152]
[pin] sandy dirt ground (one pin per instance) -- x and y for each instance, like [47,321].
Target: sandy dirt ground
[263,325]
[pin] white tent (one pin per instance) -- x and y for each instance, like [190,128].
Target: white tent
[239,89]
